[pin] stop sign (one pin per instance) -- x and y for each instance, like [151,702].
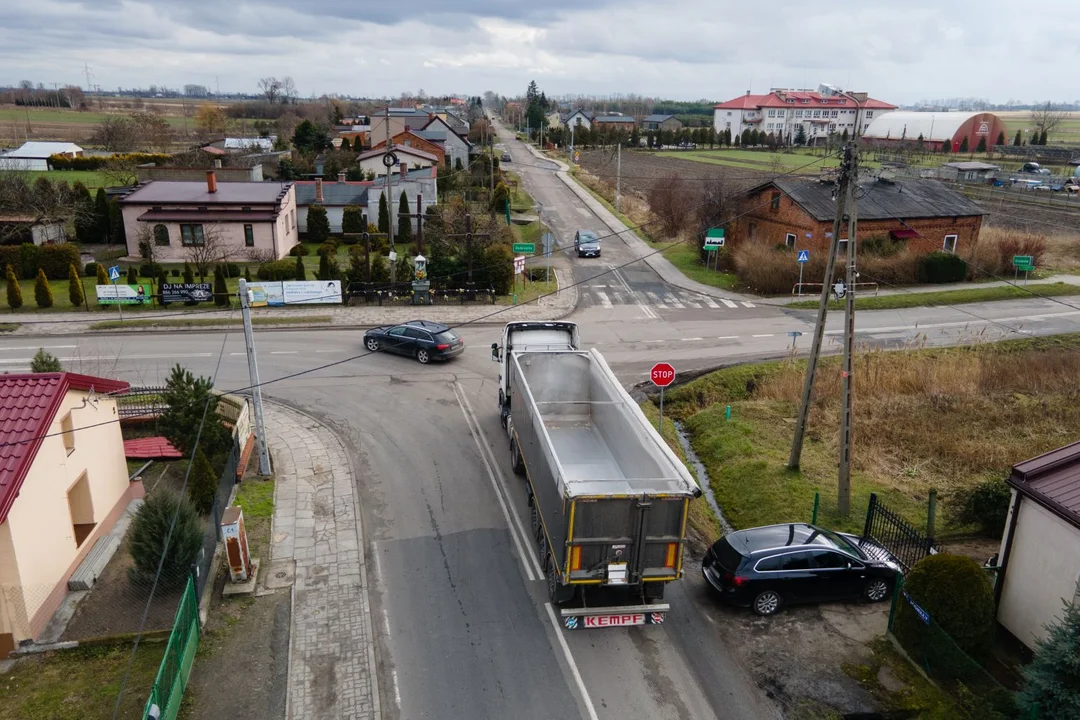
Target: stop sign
[662,374]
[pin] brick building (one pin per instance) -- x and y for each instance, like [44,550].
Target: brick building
[799,214]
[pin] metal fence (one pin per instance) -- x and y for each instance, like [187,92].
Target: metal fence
[401,295]
[887,528]
[141,402]
[172,676]
[211,534]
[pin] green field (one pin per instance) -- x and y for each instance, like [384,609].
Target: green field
[20,116]
[92,179]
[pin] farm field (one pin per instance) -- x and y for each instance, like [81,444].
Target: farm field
[1068,133]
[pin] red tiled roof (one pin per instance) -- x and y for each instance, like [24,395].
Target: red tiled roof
[1052,480]
[150,448]
[28,402]
[816,100]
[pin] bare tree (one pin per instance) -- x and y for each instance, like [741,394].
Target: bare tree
[271,88]
[37,204]
[120,172]
[212,249]
[288,89]
[152,132]
[670,203]
[1046,117]
[259,255]
[115,133]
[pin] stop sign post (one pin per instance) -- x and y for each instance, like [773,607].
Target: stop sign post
[662,375]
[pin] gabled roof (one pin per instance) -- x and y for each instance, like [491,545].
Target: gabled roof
[334,193]
[908,199]
[656,118]
[587,115]
[182,192]
[401,150]
[28,403]
[436,119]
[1052,480]
[800,99]
[38,150]
[614,119]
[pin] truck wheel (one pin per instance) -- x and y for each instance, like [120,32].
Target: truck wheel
[542,552]
[515,459]
[535,519]
[558,593]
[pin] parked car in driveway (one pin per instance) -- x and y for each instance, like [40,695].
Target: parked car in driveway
[421,339]
[768,567]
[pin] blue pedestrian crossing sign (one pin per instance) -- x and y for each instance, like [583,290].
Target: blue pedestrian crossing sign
[804,256]
[114,272]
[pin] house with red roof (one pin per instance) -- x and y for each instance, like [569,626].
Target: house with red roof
[63,486]
[820,113]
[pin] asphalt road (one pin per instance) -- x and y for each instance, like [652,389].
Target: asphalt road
[463,626]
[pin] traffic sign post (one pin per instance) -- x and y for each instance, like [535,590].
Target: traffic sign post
[114,275]
[714,240]
[1025,263]
[519,269]
[802,258]
[662,375]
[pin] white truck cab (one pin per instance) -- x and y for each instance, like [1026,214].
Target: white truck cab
[529,335]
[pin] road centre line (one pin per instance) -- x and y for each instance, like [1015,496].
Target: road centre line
[39,347]
[527,558]
[765,335]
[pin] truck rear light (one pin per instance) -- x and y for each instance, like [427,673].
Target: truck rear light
[672,553]
[734,580]
[575,557]
[443,346]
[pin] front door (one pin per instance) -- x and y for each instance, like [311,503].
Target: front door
[395,339]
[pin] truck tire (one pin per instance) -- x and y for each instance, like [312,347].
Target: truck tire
[515,459]
[558,593]
[542,552]
[535,520]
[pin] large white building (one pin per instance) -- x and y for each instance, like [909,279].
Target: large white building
[820,113]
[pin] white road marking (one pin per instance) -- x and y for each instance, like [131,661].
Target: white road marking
[673,302]
[604,300]
[527,558]
[767,335]
[690,339]
[319,352]
[573,665]
[728,303]
[691,301]
[656,300]
[284,352]
[595,287]
[88,358]
[648,341]
[710,303]
[749,304]
[385,619]
[35,347]
[650,314]
[728,337]
[960,323]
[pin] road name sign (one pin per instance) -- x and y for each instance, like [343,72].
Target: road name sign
[714,239]
[804,256]
[662,374]
[114,272]
[529,248]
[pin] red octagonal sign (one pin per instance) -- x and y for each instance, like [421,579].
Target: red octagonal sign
[662,374]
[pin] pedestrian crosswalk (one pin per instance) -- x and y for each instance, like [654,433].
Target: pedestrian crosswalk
[609,296]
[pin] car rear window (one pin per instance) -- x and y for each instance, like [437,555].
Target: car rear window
[447,336]
[728,557]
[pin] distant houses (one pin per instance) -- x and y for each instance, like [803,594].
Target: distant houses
[658,123]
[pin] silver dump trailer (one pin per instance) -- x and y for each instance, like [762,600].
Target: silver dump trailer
[608,497]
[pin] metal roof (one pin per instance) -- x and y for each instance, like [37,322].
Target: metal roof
[1052,480]
[173,192]
[244,143]
[41,150]
[933,126]
[656,118]
[334,193]
[28,403]
[613,119]
[971,165]
[906,199]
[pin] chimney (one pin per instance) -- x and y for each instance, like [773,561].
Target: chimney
[318,190]
[211,181]
[404,169]
[341,176]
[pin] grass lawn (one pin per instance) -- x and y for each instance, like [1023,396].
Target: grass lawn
[181,322]
[945,419]
[758,159]
[533,289]
[951,297]
[686,259]
[52,116]
[520,201]
[256,497]
[81,683]
[92,179]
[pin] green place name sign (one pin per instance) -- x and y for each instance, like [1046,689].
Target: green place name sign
[525,248]
[1024,262]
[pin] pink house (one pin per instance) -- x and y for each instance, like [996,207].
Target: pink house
[63,486]
[242,221]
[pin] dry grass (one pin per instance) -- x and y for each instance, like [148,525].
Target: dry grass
[993,252]
[943,419]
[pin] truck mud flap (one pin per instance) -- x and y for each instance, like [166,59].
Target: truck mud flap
[623,616]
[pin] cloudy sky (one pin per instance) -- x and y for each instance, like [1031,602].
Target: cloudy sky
[680,49]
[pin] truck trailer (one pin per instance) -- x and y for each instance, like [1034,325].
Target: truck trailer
[608,498]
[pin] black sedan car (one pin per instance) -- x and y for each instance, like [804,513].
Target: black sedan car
[421,339]
[767,567]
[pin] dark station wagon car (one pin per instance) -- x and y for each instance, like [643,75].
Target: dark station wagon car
[421,339]
[767,567]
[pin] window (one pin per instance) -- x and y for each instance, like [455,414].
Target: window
[832,127]
[161,235]
[949,245]
[805,101]
[192,235]
[67,428]
[81,507]
[834,113]
[842,101]
[798,113]
[774,203]
[397,332]
[791,101]
[828,560]
[869,114]
[769,564]
[417,334]
[772,113]
[795,561]
[249,236]
[817,113]
[789,240]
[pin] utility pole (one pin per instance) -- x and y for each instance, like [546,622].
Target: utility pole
[389,180]
[823,309]
[843,486]
[469,235]
[618,174]
[253,375]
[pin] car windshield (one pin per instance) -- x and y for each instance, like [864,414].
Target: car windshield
[843,543]
[446,336]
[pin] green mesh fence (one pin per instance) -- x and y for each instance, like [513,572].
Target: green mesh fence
[168,688]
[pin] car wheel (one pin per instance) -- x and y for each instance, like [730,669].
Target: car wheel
[372,344]
[876,590]
[423,356]
[767,602]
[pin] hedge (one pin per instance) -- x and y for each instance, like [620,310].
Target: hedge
[277,270]
[943,267]
[28,258]
[62,162]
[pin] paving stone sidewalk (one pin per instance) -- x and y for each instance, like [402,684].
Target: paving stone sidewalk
[332,671]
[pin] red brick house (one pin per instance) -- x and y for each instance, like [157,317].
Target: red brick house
[410,139]
[799,213]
